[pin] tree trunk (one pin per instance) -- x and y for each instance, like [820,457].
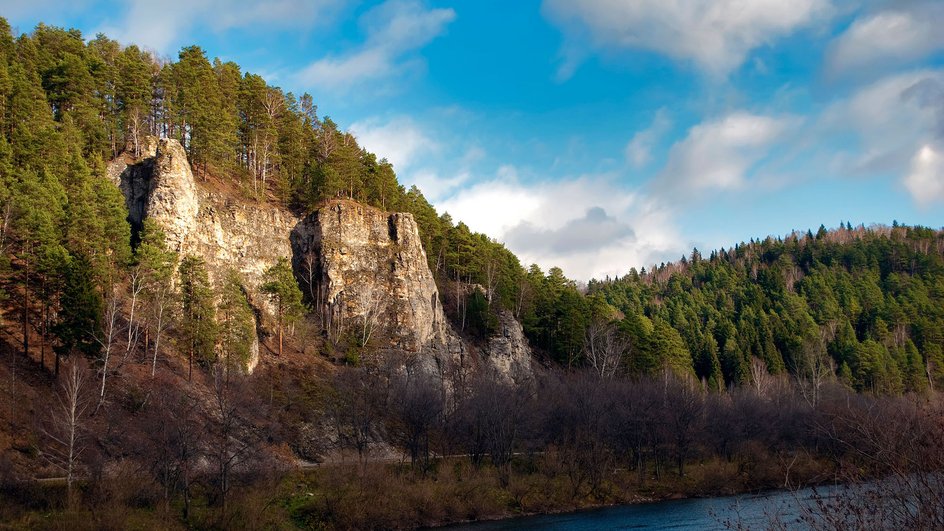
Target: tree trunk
[26,303]
[280,339]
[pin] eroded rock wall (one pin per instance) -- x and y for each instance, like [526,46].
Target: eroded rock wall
[364,269]
[373,279]
[226,234]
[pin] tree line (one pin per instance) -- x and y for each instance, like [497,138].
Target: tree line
[862,305]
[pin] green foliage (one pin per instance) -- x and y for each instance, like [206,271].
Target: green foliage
[282,288]
[237,323]
[871,297]
[283,291]
[198,327]
[481,321]
[80,314]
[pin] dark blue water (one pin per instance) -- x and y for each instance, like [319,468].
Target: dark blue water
[734,512]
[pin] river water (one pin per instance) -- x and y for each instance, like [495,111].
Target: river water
[733,512]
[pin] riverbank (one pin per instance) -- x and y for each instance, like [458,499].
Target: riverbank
[453,491]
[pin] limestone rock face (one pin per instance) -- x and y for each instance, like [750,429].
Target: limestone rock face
[508,353]
[225,233]
[364,269]
[373,278]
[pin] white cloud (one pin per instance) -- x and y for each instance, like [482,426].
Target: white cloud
[925,181]
[639,149]
[718,154]
[399,140]
[434,185]
[162,25]
[419,154]
[588,226]
[906,32]
[890,120]
[716,35]
[394,30]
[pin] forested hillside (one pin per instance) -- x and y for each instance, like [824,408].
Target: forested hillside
[68,106]
[865,304]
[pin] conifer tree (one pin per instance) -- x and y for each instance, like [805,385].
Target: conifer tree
[80,314]
[198,316]
[283,292]
[236,323]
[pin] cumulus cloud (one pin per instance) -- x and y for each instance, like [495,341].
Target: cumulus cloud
[394,29]
[162,25]
[400,140]
[925,180]
[435,185]
[594,230]
[589,226]
[890,120]
[718,154]
[639,149]
[908,31]
[715,35]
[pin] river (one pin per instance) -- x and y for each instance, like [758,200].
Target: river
[732,512]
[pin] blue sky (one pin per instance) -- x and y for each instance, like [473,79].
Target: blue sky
[603,134]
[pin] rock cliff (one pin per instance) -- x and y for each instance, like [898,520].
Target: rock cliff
[373,280]
[364,270]
[508,353]
[227,234]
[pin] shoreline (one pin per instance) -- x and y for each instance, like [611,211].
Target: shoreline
[765,492]
[453,494]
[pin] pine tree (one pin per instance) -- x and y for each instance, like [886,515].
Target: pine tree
[80,314]
[198,316]
[133,94]
[237,323]
[283,292]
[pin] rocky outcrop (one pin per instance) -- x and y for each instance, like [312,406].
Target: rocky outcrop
[373,280]
[364,269]
[508,353]
[227,234]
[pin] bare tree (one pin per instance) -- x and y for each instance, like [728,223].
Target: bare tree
[357,410]
[273,103]
[369,303]
[233,438]
[684,408]
[162,299]
[107,340]
[173,425]
[489,422]
[137,284]
[813,368]
[895,439]
[761,379]
[416,407]
[604,347]
[67,419]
